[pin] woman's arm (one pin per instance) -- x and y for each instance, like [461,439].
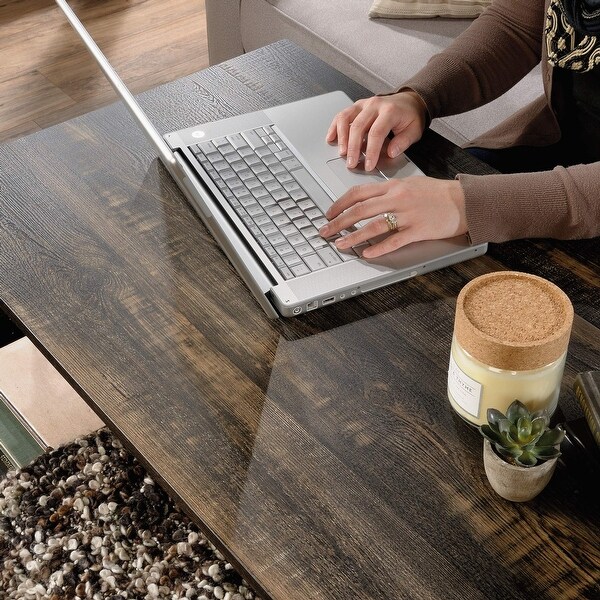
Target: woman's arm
[497,50]
[563,204]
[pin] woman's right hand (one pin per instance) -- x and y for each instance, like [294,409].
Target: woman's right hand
[404,114]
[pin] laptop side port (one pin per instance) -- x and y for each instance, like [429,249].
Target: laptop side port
[312,305]
[328,300]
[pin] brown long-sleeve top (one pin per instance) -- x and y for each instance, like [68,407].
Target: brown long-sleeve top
[495,52]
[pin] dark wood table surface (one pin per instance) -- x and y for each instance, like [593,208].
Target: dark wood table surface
[319,453]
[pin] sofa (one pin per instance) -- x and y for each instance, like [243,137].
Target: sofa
[377,53]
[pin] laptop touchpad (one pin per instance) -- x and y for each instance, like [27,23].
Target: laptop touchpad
[356,176]
[350,177]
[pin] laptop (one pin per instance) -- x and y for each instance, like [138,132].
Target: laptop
[261,182]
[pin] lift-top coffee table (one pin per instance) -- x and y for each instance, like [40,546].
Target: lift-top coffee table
[320,454]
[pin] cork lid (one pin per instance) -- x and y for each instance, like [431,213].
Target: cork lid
[513,321]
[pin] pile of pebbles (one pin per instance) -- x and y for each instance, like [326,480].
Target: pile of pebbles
[86,521]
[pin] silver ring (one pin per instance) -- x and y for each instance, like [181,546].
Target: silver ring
[391,221]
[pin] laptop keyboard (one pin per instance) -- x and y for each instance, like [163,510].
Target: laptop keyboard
[274,195]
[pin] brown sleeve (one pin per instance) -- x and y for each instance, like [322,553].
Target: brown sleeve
[563,203]
[497,50]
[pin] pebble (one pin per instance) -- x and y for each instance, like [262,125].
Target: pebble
[24,555]
[214,571]
[32,565]
[96,542]
[76,555]
[122,554]
[86,521]
[184,549]
[72,544]
[39,549]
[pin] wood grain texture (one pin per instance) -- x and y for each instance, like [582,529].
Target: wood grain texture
[43,61]
[20,130]
[35,95]
[320,453]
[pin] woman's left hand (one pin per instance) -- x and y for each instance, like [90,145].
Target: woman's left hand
[418,208]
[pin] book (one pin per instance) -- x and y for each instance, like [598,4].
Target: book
[6,464]
[39,410]
[587,392]
[17,444]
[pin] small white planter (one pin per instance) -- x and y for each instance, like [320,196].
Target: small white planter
[512,482]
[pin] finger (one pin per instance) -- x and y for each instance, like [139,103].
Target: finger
[401,238]
[399,144]
[356,194]
[372,229]
[375,141]
[357,133]
[357,214]
[402,140]
[342,136]
[332,131]
[340,126]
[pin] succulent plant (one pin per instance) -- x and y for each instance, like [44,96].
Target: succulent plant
[520,437]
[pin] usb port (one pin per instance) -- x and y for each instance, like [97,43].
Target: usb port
[312,305]
[328,300]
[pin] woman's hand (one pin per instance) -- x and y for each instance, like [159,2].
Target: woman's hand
[404,114]
[423,209]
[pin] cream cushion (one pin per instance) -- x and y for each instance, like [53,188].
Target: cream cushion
[406,9]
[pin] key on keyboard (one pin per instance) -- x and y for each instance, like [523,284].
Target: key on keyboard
[275,196]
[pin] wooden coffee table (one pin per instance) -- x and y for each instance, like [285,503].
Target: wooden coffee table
[320,454]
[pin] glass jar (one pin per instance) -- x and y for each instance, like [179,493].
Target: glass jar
[511,333]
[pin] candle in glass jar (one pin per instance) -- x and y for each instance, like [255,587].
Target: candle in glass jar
[511,334]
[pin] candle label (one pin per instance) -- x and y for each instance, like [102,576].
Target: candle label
[465,391]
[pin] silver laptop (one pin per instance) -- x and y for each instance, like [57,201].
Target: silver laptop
[261,182]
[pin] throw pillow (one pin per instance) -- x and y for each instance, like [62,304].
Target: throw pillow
[406,9]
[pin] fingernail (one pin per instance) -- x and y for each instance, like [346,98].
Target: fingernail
[394,152]
[368,165]
[324,231]
[342,242]
[341,149]
[350,161]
